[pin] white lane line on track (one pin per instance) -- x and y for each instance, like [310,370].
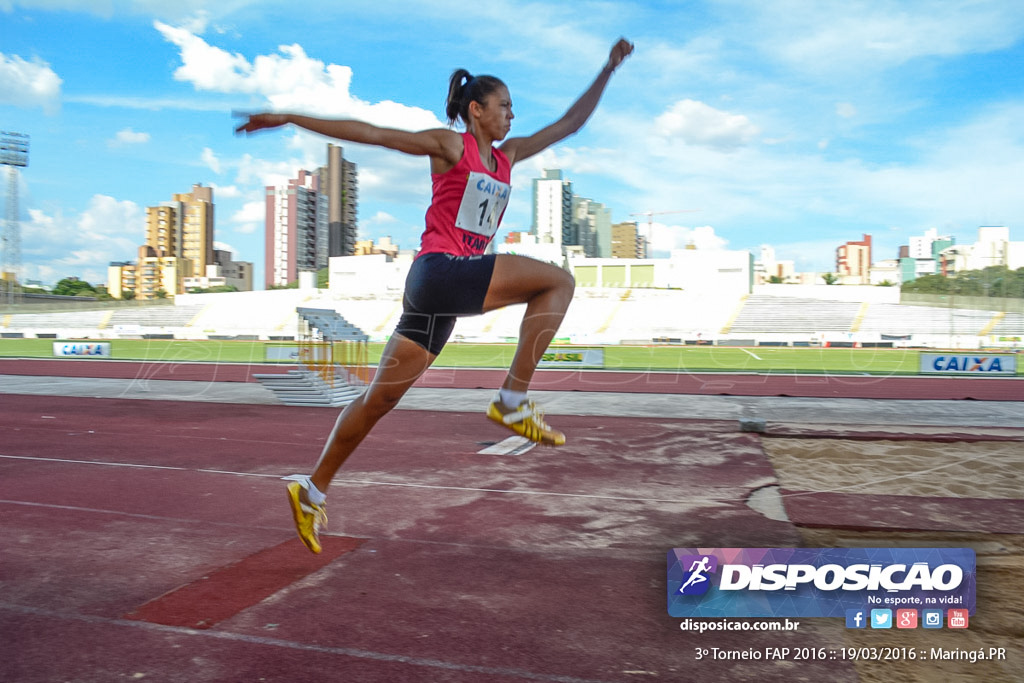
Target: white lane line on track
[364,482]
[692,500]
[494,671]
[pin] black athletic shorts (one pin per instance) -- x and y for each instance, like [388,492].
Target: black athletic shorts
[438,289]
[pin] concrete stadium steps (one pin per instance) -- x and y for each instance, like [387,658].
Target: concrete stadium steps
[1012,324]
[156,316]
[609,316]
[248,313]
[898,319]
[48,321]
[767,314]
[308,388]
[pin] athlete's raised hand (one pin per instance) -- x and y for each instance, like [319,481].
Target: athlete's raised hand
[255,122]
[622,49]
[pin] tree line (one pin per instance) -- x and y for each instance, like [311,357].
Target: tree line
[994,281]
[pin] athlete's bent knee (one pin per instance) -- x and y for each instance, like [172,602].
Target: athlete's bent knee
[379,401]
[565,286]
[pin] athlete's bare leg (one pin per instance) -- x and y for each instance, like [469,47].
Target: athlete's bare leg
[401,364]
[547,292]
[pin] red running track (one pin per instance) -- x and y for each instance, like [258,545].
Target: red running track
[727,384]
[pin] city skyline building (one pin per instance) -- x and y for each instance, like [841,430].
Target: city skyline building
[591,228]
[224,272]
[310,219]
[627,242]
[183,228]
[921,256]
[552,208]
[179,245]
[154,275]
[341,179]
[992,248]
[295,217]
[853,262]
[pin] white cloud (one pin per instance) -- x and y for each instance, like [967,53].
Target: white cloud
[254,171]
[197,23]
[224,246]
[665,238]
[128,137]
[846,110]
[380,218]
[866,36]
[225,191]
[29,83]
[148,103]
[83,245]
[696,123]
[289,81]
[250,218]
[210,160]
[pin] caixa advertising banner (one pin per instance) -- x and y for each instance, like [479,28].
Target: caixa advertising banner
[976,365]
[88,349]
[817,582]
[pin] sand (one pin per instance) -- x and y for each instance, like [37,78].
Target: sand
[927,465]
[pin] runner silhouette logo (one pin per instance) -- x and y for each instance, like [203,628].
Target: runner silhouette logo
[696,580]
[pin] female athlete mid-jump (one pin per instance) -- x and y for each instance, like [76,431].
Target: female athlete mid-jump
[451,276]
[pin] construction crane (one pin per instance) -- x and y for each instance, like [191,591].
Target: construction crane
[651,214]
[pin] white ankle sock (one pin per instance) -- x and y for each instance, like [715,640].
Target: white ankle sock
[315,497]
[510,398]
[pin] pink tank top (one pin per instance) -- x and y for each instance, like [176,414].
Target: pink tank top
[467,205]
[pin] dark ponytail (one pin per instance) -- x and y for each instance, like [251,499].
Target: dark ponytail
[464,88]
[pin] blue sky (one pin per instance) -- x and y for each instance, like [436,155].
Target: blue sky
[794,123]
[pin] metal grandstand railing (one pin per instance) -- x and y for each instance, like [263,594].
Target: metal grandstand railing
[333,355]
[329,343]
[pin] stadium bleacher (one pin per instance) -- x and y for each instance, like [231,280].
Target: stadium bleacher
[768,315]
[598,316]
[894,319]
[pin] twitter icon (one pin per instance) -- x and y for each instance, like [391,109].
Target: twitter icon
[881,618]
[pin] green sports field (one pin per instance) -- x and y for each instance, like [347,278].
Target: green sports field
[765,359]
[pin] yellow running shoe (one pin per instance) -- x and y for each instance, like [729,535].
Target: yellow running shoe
[526,420]
[309,518]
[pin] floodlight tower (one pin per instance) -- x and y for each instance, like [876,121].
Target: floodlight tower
[13,155]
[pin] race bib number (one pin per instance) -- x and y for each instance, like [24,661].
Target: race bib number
[483,202]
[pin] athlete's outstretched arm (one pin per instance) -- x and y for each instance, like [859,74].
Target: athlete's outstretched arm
[438,143]
[518,149]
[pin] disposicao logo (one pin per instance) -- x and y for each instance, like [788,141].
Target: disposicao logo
[696,580]
[783,582]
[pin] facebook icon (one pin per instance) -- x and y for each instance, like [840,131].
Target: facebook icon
[855,618]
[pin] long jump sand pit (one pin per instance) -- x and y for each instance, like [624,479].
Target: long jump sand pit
[917,487]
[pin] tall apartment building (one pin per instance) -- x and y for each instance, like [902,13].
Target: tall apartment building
[152,276]
[921,256]
[310,219]
[296,217]
[853,262]
[552,208]
[627,241]
[591,228]
[768,269]
[342,200]
[183,228]
[569,222]
[179,244]
[224,272]
[993,248]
